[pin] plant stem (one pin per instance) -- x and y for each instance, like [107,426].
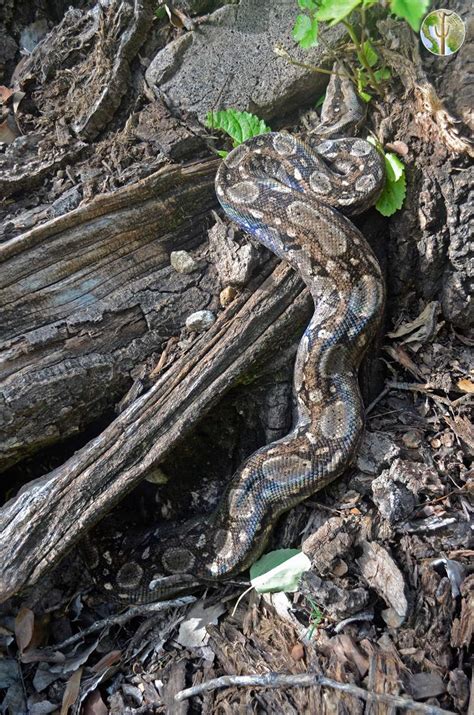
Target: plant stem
[361,55]
[314,68]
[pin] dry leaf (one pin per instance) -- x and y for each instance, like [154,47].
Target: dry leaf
[72,691]
[24,625]
[94,705]
[466,385]
[422,328]
[17,97]
[297,652]
[398,354]
[5,93]
[8,130]
[107,661]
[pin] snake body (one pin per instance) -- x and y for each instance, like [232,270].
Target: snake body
[291,198]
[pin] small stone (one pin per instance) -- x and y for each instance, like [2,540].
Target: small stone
[340,568]
[200,321]
[227,295]
[182,262]
[156,476]
[392,618]
[297,652]
[412,439]
[447,439]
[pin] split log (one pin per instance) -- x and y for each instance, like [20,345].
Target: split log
[44,521]
[89,295]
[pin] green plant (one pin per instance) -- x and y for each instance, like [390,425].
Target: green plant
[240,126]
[393,195]
[370,73]
[315,616]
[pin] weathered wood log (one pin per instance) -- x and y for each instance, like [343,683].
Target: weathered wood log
[89,295]
[45,520]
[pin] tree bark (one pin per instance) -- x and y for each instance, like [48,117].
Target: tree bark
[88,296]
[43,522]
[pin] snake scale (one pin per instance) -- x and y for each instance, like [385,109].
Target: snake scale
[291,197]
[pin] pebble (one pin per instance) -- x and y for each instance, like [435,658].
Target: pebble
[227,295]
[200,320]
[412,439]
[182,262]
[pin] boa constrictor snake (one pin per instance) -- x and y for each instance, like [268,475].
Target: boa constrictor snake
[291,198]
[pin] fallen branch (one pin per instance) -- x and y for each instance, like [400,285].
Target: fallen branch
[45,520]
[122,618]
[279,680]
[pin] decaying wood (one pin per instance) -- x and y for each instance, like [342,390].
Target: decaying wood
[81,295]
[100,45]
[50,515]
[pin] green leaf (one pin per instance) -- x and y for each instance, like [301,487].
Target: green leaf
[370,54]
[238,125]
[410,10]
[307,5]
[394,167]
[361,79]
[334,11]
[160,12]
[394,192]
[382,74]
[305,31]
[361,84]
[320,101]
[279,570]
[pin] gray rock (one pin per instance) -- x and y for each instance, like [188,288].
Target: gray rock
[377,450]
[229,61]
[394,501]
[395,491]
[201,320]
[183,262]
[66,202]
[234,259]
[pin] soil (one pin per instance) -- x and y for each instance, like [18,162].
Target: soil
[388,604]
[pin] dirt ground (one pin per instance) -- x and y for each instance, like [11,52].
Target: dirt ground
[388,605]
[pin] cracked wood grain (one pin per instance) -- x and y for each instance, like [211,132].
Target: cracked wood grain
[49,516]
[89,295]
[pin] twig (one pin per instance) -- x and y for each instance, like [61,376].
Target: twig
[124,617]
[379,397]
[279,680]
[281,52]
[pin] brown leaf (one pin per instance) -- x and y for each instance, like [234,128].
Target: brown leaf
[422,328]
[24,625]
[94,705]
[5,93]
[107,661]
[398,354]
[8,130]
[297,652]
[72,691]
[464,430]
[466,385]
